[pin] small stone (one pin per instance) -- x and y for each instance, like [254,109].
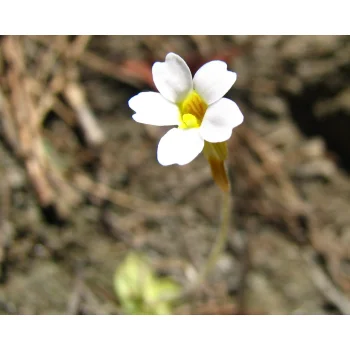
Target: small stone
[321,168]
[314,148]
[272,105]
[312,71]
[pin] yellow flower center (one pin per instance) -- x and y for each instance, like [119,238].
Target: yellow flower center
[192,111]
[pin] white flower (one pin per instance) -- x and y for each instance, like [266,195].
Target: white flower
[195,105]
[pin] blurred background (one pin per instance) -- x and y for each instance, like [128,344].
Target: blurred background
[86,211]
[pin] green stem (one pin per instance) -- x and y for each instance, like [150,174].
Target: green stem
[221,240]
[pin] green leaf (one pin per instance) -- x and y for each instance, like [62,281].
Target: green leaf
[140,291]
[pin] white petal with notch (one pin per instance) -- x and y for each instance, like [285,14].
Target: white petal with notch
[172,78]
[179,146]
[153,109]
[219,120]
[213,80]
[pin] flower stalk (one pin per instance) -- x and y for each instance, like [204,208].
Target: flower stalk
[221,238]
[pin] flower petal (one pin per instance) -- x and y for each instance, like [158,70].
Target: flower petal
[213,80]
[172,78]
[219,120]
[179,146]
[152,108]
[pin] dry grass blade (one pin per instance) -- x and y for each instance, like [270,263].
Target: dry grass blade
[325,285]
[24,113]
[93,134]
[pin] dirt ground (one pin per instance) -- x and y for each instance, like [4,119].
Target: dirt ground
[81,186]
